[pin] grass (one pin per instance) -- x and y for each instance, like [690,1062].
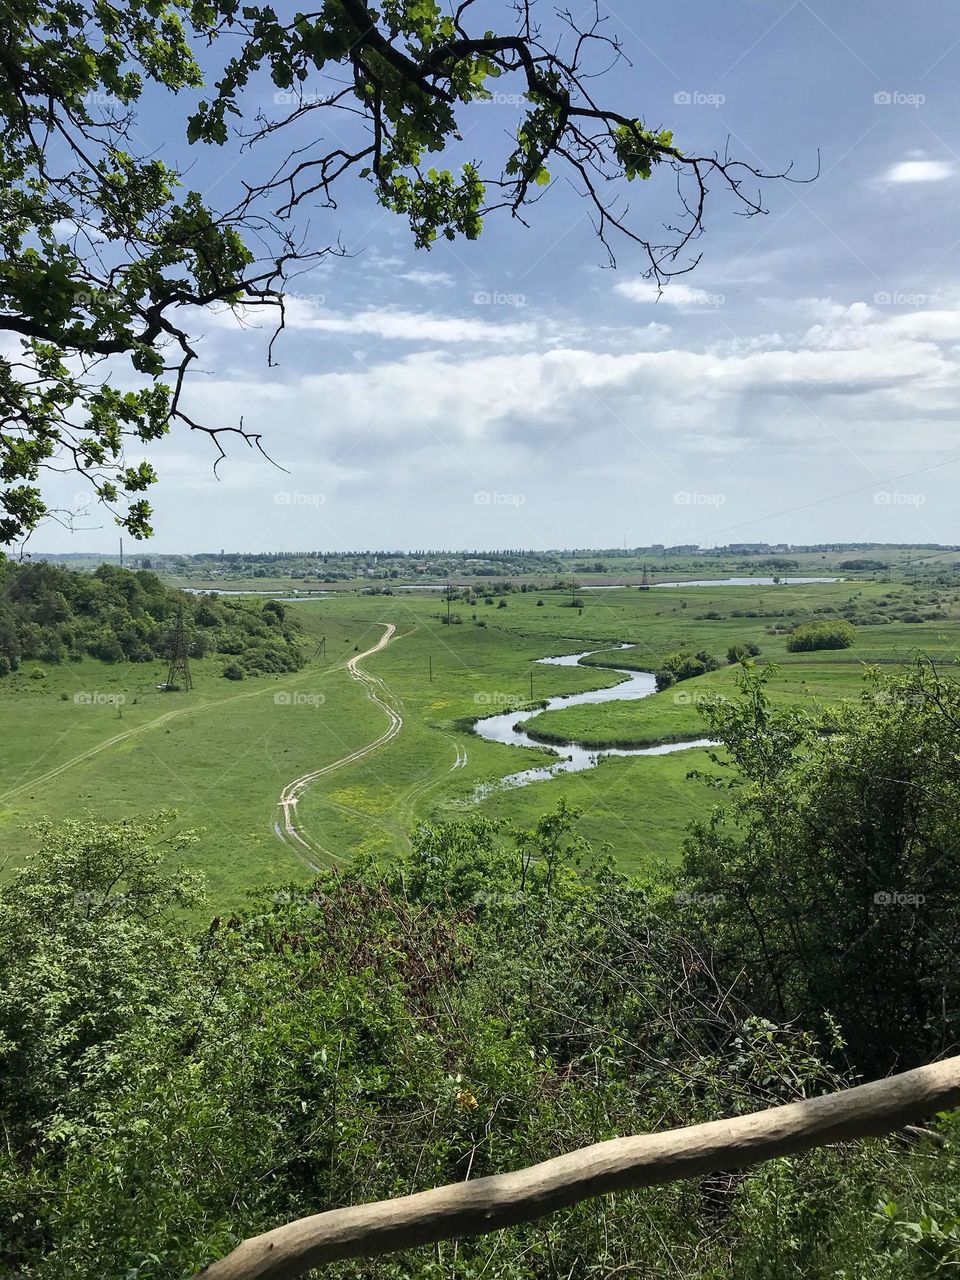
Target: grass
[222,753]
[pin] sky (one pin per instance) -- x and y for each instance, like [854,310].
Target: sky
[801,385]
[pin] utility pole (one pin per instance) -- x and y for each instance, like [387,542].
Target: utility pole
[448,602]
[121,553]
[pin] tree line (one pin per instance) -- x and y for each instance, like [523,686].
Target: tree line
[52,615]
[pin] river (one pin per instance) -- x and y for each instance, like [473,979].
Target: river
[507,726]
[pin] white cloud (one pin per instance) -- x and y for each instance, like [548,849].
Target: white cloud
[674,294]
[406,326]
[429,279]
[919,171]
[881,365]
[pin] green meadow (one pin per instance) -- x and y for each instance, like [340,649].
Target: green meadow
[102,737]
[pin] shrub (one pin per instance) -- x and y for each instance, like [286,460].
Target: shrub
[738,651]
[821,635]
[233,671]
[684,665]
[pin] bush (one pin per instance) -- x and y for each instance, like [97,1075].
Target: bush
[684,666]
[738,651]
[233,671]
[821,635]
[831,874]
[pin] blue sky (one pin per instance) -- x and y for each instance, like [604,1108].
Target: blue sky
[802,385]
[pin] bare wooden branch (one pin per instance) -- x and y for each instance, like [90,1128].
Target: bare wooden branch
[489,1204]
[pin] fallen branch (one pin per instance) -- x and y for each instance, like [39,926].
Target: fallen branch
[489,1204]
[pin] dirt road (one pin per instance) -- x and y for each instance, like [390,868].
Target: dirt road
[286,825]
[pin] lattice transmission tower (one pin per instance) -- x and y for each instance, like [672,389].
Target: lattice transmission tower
[179,677]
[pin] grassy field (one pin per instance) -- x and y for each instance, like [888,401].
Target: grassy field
[221,754]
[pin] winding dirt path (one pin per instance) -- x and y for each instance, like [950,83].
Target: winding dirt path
[286,826]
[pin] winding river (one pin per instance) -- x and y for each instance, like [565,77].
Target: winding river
[508,726]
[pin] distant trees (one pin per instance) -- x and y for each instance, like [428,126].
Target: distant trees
[52,615]
[821,635]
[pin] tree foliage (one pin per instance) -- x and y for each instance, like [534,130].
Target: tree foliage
[52,615]
[830,877]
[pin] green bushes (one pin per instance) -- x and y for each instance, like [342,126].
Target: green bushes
[484,1001]
[831,876]
[738,651]
[684,665]
[821,635]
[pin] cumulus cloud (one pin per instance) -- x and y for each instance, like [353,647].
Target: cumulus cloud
[908,171]
[858,354]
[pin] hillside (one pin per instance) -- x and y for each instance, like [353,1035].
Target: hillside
[52,615]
